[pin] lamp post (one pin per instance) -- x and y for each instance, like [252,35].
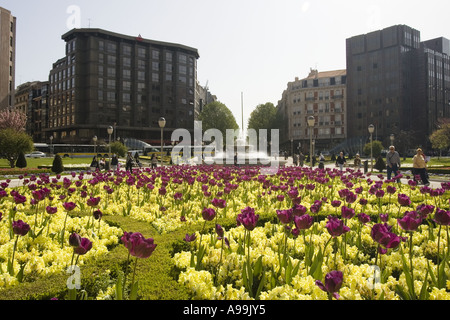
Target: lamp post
[110,132]
[95,144]
[371,130]
[51,145]
[162,124]
[311,123]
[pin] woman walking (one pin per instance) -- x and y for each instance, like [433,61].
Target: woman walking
[420,167]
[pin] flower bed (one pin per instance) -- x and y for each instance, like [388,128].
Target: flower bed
[298,234]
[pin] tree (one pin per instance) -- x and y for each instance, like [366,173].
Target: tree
[13,119]
[216,115]
[57,166]
[264,117]
[377,147]
[440,139]
[119,148]
[12,143]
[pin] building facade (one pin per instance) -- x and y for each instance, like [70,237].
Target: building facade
[321,95]
[7,58]
[397,83]
[108,79]
[31,98]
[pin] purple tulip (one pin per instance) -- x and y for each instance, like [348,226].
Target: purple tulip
[190,238]
[178,196]
[391,189]
[219,231]
[247,218]
[347,213]
[335,203]
[285,216]
[93,202]
[381,233]
[303,222]
[333,283]
[363,218]
[75,240]
[137,245]
[69,206]
[424,210]
[219,203]
[403,200]
[98,215]
[51,210]
[84,247]
[20,228]
[208,214]
[336,226]
[442,217]
[410,221]
[298,210]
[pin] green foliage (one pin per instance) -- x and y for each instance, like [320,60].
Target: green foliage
[263,117]
[12,143]
[440,139]
[216,115]
[377,147]
[119,148]
[21,161]
[57,166]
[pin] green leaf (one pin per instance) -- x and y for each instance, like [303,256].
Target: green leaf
[408,277]
[119,287]
[134,290]
[423,292]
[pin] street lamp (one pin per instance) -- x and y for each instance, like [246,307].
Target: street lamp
[95,144]
[311,123]
[162,124]
[371,130]
[110,132]
[51,145]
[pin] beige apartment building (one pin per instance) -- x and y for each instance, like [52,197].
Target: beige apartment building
[323,96]
[7,58]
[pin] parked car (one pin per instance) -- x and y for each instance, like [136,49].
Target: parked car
[36,154]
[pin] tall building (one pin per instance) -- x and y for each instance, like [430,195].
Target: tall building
[7,58]
[321,95]
[397,83]
[109,79]
[31,98]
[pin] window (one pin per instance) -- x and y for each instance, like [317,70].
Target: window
[126,50]
[111,72]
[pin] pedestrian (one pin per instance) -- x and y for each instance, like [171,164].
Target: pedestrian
[114,162]
[154,161]
[341,161]
[301,159]
[136,160]
[235,159]
[129,162]
[94,164]
[420,166]
[357,162]
[392,163]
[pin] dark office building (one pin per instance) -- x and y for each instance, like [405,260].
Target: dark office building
[397,83]
[108,79]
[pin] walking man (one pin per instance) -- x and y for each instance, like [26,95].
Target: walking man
[392,163]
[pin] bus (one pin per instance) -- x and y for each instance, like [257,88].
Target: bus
[168,155]
[73,150]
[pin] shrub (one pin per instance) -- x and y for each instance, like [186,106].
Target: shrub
[21,161]
[57,166]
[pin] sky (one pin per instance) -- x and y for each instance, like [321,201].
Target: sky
[249,49]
